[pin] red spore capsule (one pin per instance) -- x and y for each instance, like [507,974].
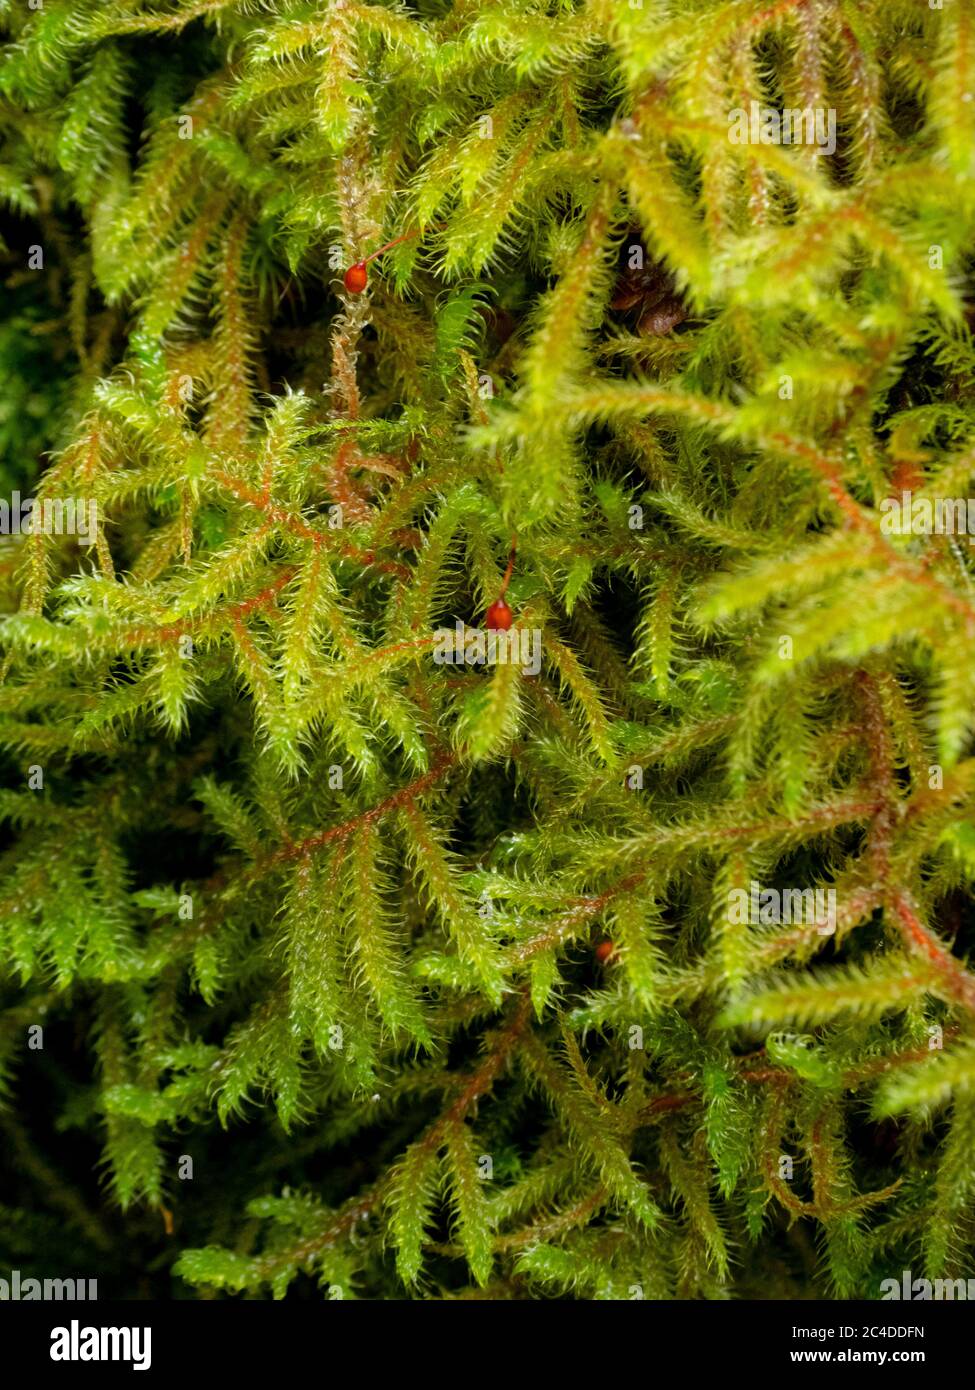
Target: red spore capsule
[356,278]
[499,616]
[605,951]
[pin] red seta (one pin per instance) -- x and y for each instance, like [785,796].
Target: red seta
[499,616]
[357,276]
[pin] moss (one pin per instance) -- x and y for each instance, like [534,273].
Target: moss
[641,972]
